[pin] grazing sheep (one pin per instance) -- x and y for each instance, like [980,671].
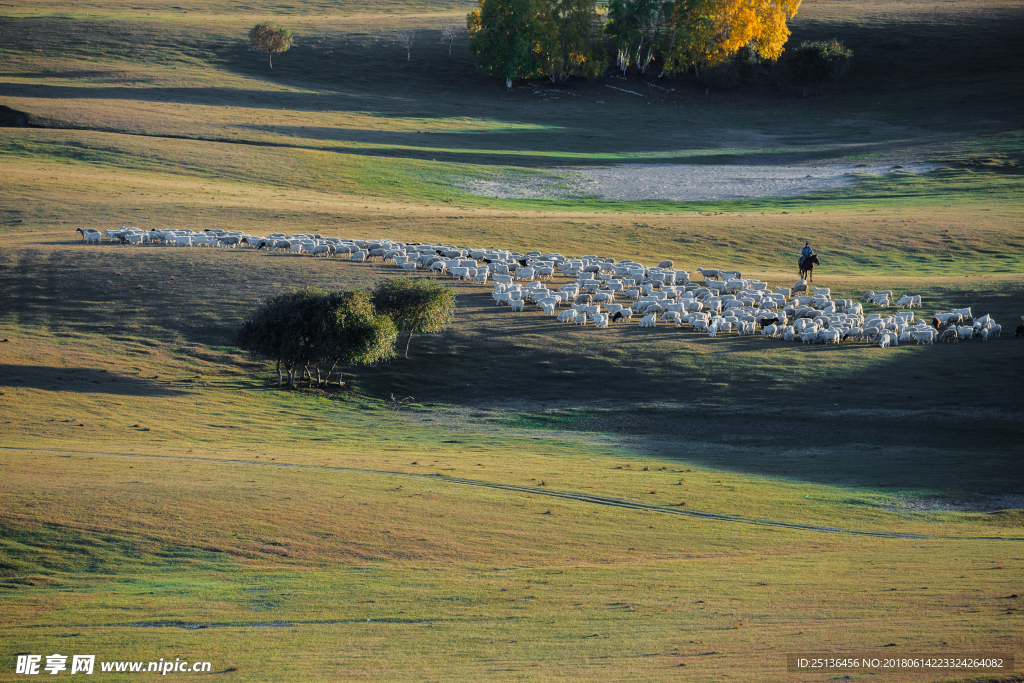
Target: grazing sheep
[517,304]
[627,313]
[949,334]
[964,313]
[601,320]
[926,337]
[91,235]
[580,319]
[650,320]
[669,316]
[1019,332]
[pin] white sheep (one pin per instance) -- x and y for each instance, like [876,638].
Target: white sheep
[924,337]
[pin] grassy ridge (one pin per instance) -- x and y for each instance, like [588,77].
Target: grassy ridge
[887,226]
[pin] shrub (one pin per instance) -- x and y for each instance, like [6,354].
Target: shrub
[312,327]
[415,305]
[817,63]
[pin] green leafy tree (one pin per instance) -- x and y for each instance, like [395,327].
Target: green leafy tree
[312,327]
[415,305]
[507,36]
[270,38]
[570,45]
[817,62]
[634,27]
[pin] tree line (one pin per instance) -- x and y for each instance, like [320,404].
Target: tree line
[309,333]
[721,41]
[561,39]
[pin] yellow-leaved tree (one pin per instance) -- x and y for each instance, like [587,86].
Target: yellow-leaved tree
[705,33]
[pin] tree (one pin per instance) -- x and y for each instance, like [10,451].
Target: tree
[634,25]
[312,327]
[448,33]
[270,38]
[415,305]
[506,37]
[569,47]
[817,62]
[706,33]
[406,38]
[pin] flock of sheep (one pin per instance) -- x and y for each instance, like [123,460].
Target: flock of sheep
[722,303]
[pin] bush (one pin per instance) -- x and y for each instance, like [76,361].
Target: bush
[309,328]
[739,67]
[415,305]
[817,63]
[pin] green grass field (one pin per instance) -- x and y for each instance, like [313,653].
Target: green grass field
[555,503]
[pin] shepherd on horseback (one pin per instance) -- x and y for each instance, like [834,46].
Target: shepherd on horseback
[808,259]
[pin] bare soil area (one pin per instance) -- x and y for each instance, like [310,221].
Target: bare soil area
[687,182]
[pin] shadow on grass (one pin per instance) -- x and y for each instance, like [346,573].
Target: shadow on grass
[940,417]
[80,380]
[852,415]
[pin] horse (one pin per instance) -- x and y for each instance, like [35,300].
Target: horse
[806,265]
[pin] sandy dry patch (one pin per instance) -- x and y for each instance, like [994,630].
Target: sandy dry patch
[686,182]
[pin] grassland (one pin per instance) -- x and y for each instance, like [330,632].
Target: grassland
[160,498]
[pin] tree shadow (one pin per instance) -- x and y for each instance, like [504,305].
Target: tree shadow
[81,380]
[808,412]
